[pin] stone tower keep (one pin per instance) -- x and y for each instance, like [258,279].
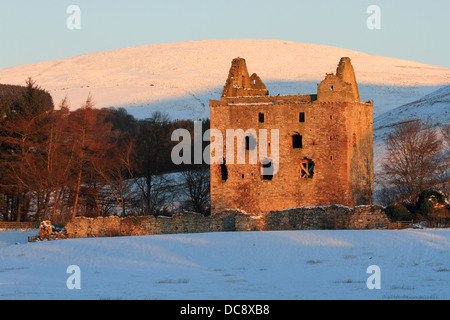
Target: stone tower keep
[325,144]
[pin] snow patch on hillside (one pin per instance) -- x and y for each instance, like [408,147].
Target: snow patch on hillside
[434,106]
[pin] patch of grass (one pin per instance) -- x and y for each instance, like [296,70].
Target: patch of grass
[348,281]
[314,261]
[11,269]
[176,281]
[402,287]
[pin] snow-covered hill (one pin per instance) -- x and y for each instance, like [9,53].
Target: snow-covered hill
[434,107]
[180,78]
[319,264]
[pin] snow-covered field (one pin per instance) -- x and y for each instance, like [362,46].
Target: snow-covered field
[288,265]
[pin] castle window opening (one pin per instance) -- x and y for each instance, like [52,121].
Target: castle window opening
[224,172]
[268,172]
[301,117]
[307,168]
[261,117]
[297,141]
[243,81]
[331,88]
[250,142]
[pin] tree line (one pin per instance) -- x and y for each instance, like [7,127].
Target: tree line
[58,164]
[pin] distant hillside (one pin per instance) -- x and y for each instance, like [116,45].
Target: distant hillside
[180,78]
[434,107]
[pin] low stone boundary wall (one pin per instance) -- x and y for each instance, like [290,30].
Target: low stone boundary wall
[11,225]
[302,218]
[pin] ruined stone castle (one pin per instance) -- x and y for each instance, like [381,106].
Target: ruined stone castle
[325,144]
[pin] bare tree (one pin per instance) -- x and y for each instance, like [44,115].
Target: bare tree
[445,168]
[197,184]
[446,133]
[90,139]
[114,171]
[414,157]
[148,155]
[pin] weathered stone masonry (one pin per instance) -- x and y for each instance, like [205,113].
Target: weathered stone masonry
[302,218]
[325,144]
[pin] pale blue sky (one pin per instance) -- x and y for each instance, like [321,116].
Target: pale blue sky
[33,31]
